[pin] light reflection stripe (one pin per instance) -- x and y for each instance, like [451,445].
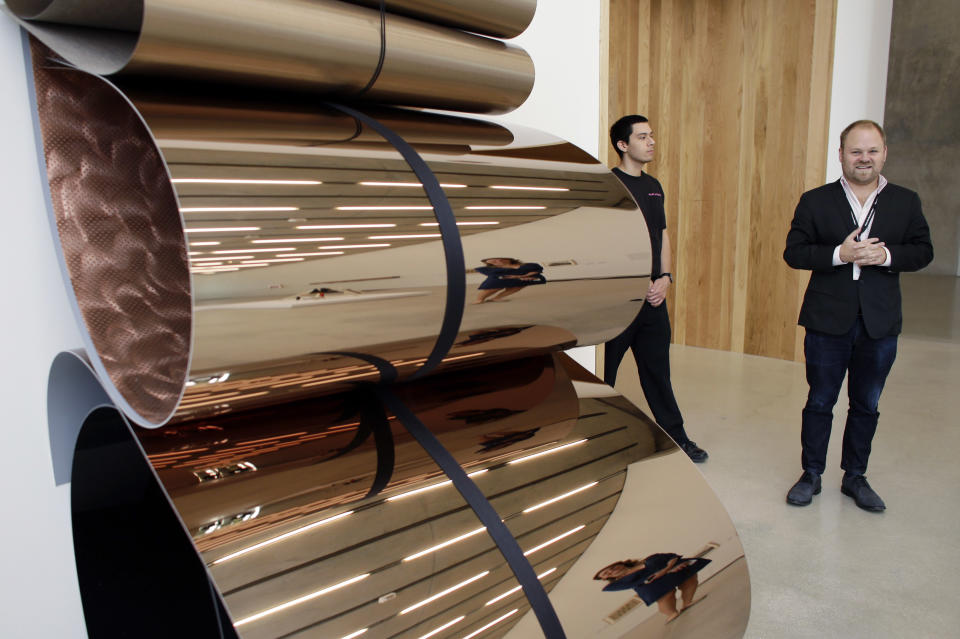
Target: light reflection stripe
[432,486]
[240,181]
[444,593]
[280,538]
[300,600]
[236,209]
[315,227]
[444,544]
[491,624]
[355,634]
[298,239]
[554,540]
[516,588]
[546,452]
[528,188]
[559,497]
[443,627]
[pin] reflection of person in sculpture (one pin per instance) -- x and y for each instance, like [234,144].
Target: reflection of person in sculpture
[506,276]
[657,578]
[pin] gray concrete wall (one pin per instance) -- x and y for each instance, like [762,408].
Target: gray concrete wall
[922,117]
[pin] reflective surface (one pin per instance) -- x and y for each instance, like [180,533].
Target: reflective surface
[313,45]
[277,503]
[316,247]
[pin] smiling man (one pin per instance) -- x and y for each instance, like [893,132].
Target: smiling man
[856,235]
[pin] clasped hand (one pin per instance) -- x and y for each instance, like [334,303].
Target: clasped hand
[869,252]
[657,292]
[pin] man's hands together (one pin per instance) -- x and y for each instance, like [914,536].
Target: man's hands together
[869,252]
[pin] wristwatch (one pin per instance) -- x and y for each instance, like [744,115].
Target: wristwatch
[669,275]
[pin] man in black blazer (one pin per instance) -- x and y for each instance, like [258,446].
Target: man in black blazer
[856,235]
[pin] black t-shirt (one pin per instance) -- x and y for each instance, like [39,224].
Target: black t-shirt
[648,193]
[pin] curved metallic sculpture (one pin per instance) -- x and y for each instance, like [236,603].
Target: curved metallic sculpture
[334,335]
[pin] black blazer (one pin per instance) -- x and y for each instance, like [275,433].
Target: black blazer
[821,222]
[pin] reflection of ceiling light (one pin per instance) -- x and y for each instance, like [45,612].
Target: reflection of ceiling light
[204,263]
[559,497]
[196,252]
[308,227]
[285,535]
[232,181]
[237,209]
[461,223]
[444,544]
[504,208]
[204,243]
[318,254]
[384,208]
[300,600]
[443,627]
[444,593]
[199,260]
[264,250]
[216,269]
[349,246]
[300,239]
[411,236]
[513,590]
[432,486]
[554,540]
[355,634]
[529,188]
[222,229]
[491,624]
[471,355]
[546,452]
[447,186]
[270,261]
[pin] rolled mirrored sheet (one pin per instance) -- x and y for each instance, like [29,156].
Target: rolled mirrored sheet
[280,509]
[310,261]
[498,18]
[316,46]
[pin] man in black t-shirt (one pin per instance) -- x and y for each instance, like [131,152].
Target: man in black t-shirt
[648,335]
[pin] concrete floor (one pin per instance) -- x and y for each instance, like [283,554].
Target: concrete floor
[831,569]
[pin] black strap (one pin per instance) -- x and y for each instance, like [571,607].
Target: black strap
[532,588]
[867,220]
[449,236]
[383,50]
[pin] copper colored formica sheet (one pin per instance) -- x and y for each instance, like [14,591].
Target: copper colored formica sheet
[498,18]
[317,46]
[308,261]
[121,238]
[281,507]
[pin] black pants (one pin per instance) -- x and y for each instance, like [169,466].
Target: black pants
[648,336]
[865,362]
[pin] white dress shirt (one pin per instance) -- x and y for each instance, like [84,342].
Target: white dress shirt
[860,212]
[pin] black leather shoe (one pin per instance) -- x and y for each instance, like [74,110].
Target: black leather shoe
[856,486]
[803,491]
[694,452]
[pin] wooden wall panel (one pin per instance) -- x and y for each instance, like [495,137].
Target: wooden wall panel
[737,92]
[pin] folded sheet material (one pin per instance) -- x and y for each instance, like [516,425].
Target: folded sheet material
[497,18]
[316,46]
[343,219]
[278,505]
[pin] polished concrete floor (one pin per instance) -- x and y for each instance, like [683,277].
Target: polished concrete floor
[831,569]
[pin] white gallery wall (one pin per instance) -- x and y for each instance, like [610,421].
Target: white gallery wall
[38,588]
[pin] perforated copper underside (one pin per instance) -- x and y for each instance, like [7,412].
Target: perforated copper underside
[120,232]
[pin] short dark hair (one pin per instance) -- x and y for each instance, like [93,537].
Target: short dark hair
[621,130]
[859,123]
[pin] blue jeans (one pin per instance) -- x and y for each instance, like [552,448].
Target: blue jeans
[829,359]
